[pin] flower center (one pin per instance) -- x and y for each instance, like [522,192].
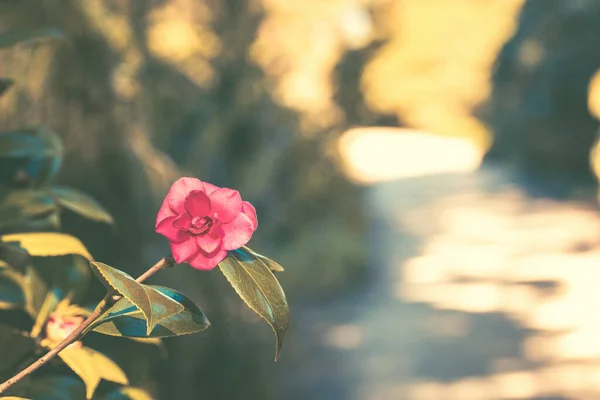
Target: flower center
[200,225]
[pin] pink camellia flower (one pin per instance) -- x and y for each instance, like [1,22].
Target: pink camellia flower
[59,327]
[203,221]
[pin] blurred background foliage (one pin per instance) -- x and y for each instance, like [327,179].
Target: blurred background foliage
[541,109]
[254,94]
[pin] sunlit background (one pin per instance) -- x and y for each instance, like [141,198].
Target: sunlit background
[426,171]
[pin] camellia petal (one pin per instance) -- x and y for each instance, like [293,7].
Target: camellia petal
[180,190]
[250,211]
[197,203]
[207,262]
[164,212]
[59,327]
[184,250]
[209,187]
[237,233]
[184,221]
[208,243]
[226,203]
[171,232]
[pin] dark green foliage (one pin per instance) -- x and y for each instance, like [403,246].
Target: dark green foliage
[154,305]
[125,319]
[43,274]
[232,133]
[29,157]
[251,277]
[538,109]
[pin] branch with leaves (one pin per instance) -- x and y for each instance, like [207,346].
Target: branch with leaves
[45,274]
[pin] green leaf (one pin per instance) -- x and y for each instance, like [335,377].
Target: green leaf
[30,142]
[254,282]
[147,340]
[69,273]
[14,346]
[50,303]
[50,280]
[10,273]
[39,151]
[14,255]
[81,204]
[17,36]
[154,305]
[5,84]
[124,319]
[51,387]
[13,398]
[92,367]
[41,171]
[22,144]
[11,295]
[128,393]
[65,309]
[273,266]
[45,244]
[34,201]
[30,286]
[65,277]
[38,223]
[21,208]
[35,290]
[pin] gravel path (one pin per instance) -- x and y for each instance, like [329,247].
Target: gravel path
[478,291]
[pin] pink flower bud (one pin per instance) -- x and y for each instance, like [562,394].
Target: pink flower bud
[59,328]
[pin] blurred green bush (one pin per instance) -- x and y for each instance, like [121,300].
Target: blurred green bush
[116,94]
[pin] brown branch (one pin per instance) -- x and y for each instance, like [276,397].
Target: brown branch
[104,305]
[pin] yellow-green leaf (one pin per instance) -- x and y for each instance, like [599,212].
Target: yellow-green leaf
[154,305]
[18,36]
[24,206]
[13,398]
[128,393]
[92,367]
[124,319]
[80,203]
[35,290]
[50,278]
[273,266]
[64,277]
[65,309]
[148,340]
[254,282]
[44,244]
[14,255]
[35,223]
[50,303]
[12,295]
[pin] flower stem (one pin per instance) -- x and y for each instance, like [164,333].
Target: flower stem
[163,263]
[104,305]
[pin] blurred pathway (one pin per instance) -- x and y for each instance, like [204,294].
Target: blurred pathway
[478,292]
